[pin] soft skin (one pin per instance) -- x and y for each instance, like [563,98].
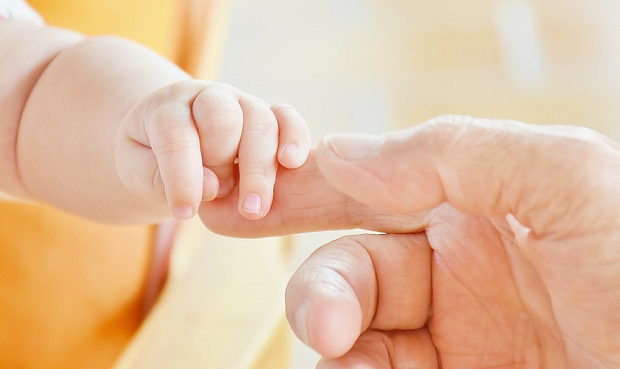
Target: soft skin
[501,248]
[108,130]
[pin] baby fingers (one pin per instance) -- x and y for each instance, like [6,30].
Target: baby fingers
[159,155]
[176,145]
[257,157]
[219,120]
[182,142]
[295,140]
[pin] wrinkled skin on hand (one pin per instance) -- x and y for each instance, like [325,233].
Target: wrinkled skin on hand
[502,247]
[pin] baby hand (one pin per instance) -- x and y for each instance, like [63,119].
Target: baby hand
[180,146]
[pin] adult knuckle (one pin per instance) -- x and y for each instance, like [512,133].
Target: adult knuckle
[443,132]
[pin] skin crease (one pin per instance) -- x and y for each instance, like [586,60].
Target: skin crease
[502,253]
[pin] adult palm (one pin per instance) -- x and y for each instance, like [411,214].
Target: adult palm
[502,248]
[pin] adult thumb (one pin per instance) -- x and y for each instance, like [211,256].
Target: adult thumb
[548,178]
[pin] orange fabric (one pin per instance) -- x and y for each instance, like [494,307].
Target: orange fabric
[149,22]
[71,291]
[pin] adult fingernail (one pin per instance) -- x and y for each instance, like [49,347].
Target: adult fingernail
[353,146]
[290,150]
[301,321]
[183,212]
[252,204]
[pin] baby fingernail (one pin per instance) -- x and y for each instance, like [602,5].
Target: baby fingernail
[352,146]
[252,204]
[226,185]
[183,212]
[301,321]
[290,150]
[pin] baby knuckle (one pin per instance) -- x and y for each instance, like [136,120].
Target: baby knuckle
[221,87]
[162,115]
[177,140]
[226,125]
[182,189]
[258,171]
[284,108]
[264,125]
[178,145]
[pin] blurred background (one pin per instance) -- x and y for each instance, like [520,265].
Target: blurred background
[377,65]
[372,65]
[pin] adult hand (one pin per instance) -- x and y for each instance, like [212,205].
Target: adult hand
[517,266]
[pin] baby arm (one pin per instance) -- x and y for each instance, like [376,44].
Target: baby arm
[108,130]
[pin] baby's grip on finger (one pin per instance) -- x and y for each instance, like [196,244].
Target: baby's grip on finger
[257,158]
[175,143]
[219,120]
[294,145]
